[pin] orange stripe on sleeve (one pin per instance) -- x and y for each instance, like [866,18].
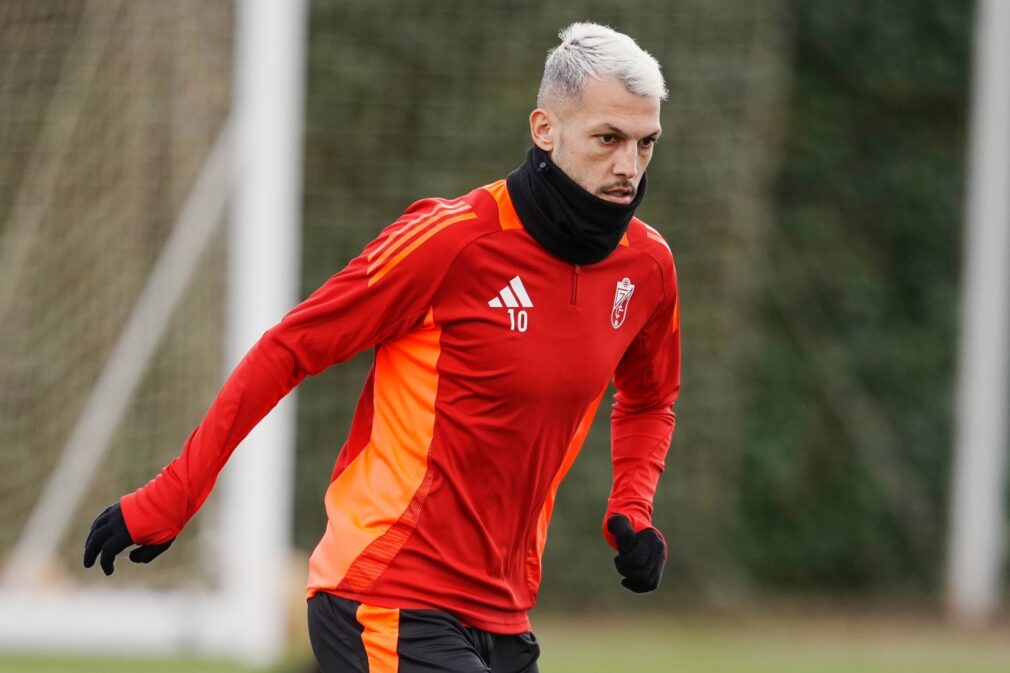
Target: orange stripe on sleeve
[380,634]
[421,221]
[391,264]
[655,236]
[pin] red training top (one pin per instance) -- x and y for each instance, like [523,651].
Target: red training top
[491,357]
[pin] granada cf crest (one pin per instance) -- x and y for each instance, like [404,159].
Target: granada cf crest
[621,300]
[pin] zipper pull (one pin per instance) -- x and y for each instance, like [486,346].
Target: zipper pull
[575,284]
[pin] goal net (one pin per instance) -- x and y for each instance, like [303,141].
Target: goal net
[115,173]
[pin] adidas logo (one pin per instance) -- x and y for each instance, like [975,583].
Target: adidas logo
[512,295]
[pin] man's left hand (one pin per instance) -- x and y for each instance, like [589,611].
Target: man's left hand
[642,555]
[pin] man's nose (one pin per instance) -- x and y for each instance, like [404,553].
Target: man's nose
[626,163]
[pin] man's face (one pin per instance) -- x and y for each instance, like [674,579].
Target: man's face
[602,140]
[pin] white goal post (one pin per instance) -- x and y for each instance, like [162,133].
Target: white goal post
[978,488]
[256,167]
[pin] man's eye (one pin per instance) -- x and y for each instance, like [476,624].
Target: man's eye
[607,138]
[648,142]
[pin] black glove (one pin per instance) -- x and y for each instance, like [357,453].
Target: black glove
[110,536]
[642,555]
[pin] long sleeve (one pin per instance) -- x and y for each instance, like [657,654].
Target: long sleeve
[382,294]
[642,421]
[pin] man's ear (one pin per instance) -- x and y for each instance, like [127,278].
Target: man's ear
[542,129]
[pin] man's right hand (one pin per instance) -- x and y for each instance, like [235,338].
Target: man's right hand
[109,535]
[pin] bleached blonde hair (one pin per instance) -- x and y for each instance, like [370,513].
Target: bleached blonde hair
[589,50]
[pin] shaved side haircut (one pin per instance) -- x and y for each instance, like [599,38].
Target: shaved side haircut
[589,50]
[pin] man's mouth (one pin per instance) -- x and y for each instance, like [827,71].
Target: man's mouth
[618,194]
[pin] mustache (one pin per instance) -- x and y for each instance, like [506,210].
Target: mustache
[620,185]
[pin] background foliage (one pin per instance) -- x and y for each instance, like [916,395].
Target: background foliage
[849,423]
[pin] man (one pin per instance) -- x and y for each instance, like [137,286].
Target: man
[498,320]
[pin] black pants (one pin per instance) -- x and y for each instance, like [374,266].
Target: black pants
[349,637]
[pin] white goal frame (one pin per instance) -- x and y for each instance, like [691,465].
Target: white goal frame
[978,485]
[255,166]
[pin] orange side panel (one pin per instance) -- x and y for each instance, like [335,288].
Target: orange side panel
[574,446]
[676,315]
[380,635]
[370,564]
[379,494]
[506,211]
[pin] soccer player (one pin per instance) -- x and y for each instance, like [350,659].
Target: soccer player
[497,320]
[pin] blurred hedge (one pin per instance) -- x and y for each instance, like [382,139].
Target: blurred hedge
[845,478]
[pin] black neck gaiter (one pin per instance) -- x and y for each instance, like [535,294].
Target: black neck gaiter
[569,222]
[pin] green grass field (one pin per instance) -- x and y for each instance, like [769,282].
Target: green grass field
[820,645]
[817,646]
